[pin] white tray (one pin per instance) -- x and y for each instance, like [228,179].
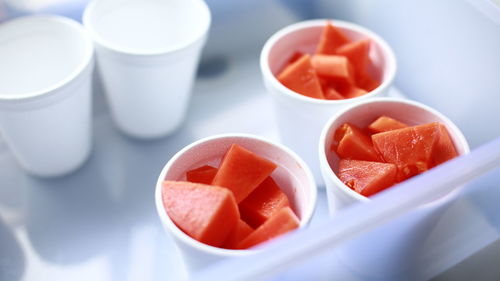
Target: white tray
[99,223]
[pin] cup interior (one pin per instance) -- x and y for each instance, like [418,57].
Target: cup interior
[291,174]
[39,54]
[304,37]
[362,114]
[147,26]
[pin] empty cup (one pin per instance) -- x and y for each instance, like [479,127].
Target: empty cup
[45,93]
[301,118]
[147,53]
[292,175]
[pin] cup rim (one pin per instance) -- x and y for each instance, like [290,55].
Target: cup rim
[193,243]
[328,172]
[98,39]
[269,76]
[85,61]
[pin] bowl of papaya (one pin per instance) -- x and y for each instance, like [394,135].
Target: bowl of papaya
[314,68]
[372,146]
[229,195]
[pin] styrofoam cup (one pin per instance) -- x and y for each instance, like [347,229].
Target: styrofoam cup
[45,93]
[301,118]
[147,54]
[389,251]
[292,175]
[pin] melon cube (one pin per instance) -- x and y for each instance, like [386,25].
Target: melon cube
[384,124]
[263,203]
[204,174]
[241,171]
[353,143]
[240,232]
[444,149]
[301,77]
[409,148]
[331,39]
[367,177]
[282,222]
[204,212]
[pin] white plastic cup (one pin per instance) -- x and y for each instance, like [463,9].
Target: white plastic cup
[292,175]
[147,53]
[301,118]
[46,64]
[389,251]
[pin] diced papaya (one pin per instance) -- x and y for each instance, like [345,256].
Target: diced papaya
[240,232]
[301,77]
[241,171]
[331,39]
[352,91]
[295,57]
[204,174]
[384,124]
[367,177]
[367,82]
[335,67]
[204,212]
[358,54]
[353,143]
[332,94]
[263,203]
[282,222]
[409,148]
[444,149]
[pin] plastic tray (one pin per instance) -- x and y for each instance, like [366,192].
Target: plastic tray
[99,223]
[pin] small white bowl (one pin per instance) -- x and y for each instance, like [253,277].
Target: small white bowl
[399,241]
[362,114]
[292,175]
[301,118]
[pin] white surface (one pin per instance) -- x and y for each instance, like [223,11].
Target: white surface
[45,114]
[100,223]
[148,88]
[300,118]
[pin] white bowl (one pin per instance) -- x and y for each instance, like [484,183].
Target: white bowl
[301,118]
[396,245]
[292,175]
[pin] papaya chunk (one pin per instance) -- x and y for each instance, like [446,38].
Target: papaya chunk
[241,171]
[204,174]
[336,67]
[409,148]
[384,124]
[331,39]
[367,177]
[358,55]
[263,203]
[332,94]
[204,212]
[240,232]
[301,77]
[444,149]
[353,143]
[280,223]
